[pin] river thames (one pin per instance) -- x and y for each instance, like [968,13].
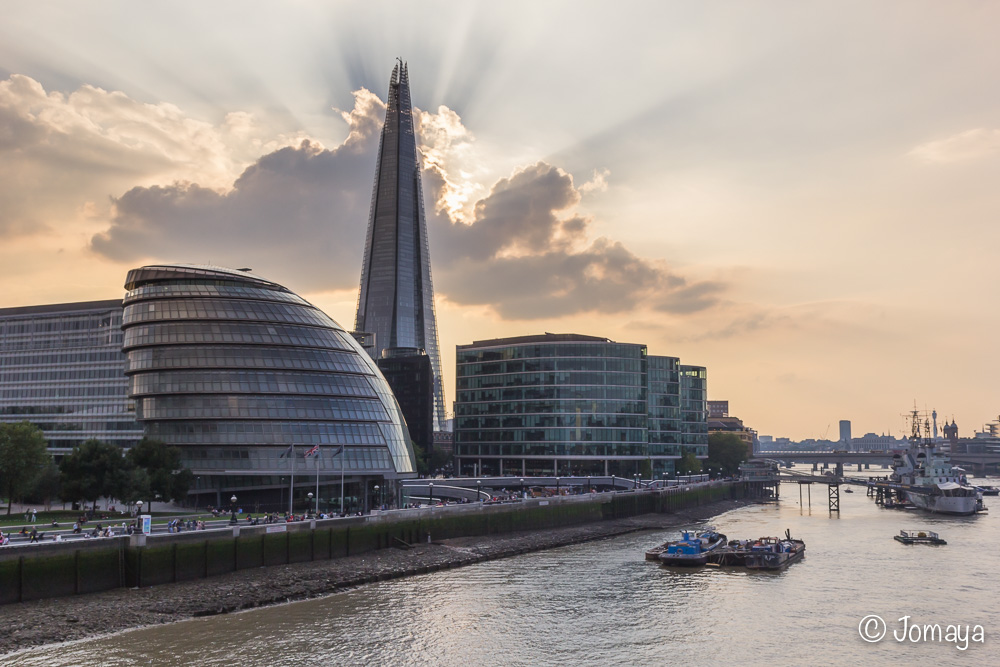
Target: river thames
[602,603]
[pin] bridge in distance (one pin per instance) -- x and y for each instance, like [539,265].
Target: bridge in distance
[981,463]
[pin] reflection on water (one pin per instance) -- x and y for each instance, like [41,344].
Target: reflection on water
[602,603]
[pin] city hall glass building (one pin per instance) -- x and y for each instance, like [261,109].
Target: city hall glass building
[62,369]
[246,377]
[566,404]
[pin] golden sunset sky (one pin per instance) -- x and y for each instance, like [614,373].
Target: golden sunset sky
[802,197]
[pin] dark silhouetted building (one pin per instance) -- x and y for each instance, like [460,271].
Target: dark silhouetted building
[409,374]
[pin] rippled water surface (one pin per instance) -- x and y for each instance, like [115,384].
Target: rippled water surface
[601,603]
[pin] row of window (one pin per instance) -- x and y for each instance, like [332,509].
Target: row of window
[552,449]
[233,356]
[553,420]
[553,435]
[584,406]
[349,460]
[232,332]
[260,407]
[242,382]
[551,364]
[565,349]
[111,355]
[47,324]
[266,432]
[103,389]
[561,379]
[223,309]
[230,290]
[60,341]
[78,374]
[553,393]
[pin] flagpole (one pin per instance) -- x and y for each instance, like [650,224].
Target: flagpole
[318,453]
[343,457]
[291,491]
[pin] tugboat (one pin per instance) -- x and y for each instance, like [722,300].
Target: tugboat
[692,549]
[770,553]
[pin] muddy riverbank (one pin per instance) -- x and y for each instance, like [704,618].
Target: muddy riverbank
[65,619]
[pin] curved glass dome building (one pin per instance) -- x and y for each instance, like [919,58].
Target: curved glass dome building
[247,377]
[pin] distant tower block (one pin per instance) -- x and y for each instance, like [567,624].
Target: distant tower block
[396,300]
[845,431]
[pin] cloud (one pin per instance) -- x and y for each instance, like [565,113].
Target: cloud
[527,254]
[968,145]
[299,214]
[63,153]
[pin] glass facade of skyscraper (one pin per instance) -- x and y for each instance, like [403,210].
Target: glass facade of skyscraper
[238,372]
[62,369]
[565,404]
[396,297]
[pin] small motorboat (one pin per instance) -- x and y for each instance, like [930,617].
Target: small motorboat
[918,537]
[989,490]
[693,548]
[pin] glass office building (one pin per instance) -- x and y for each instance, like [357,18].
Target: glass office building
[396,299]
[694,409]
[62,369]
[246,377]
[566,404]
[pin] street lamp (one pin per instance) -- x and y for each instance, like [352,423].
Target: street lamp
[232,508]
[431,486]
[379,496]
[522,488]
[138,504]
[479,490]
[590,489]
[310,497]
[612,482]
[557,486]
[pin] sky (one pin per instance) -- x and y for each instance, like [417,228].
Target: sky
[801,197]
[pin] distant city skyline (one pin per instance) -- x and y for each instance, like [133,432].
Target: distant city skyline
[800,197]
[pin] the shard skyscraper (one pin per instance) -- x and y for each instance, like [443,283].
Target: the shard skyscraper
[396,301]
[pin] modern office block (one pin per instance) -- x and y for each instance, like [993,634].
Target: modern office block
[246,377]
[566,404]
[694,409]
[396,299]
[62,369]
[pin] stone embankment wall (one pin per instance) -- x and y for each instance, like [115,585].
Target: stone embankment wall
[87,566]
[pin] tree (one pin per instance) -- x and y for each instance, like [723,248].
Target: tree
[23,454]
[46,486]
[131,484]
[167,478]
[726,451]
[91,471]
[688,465]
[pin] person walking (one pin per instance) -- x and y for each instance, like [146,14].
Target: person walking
[34,515]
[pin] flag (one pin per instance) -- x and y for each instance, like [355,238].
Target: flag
[314,450]
[287,452]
